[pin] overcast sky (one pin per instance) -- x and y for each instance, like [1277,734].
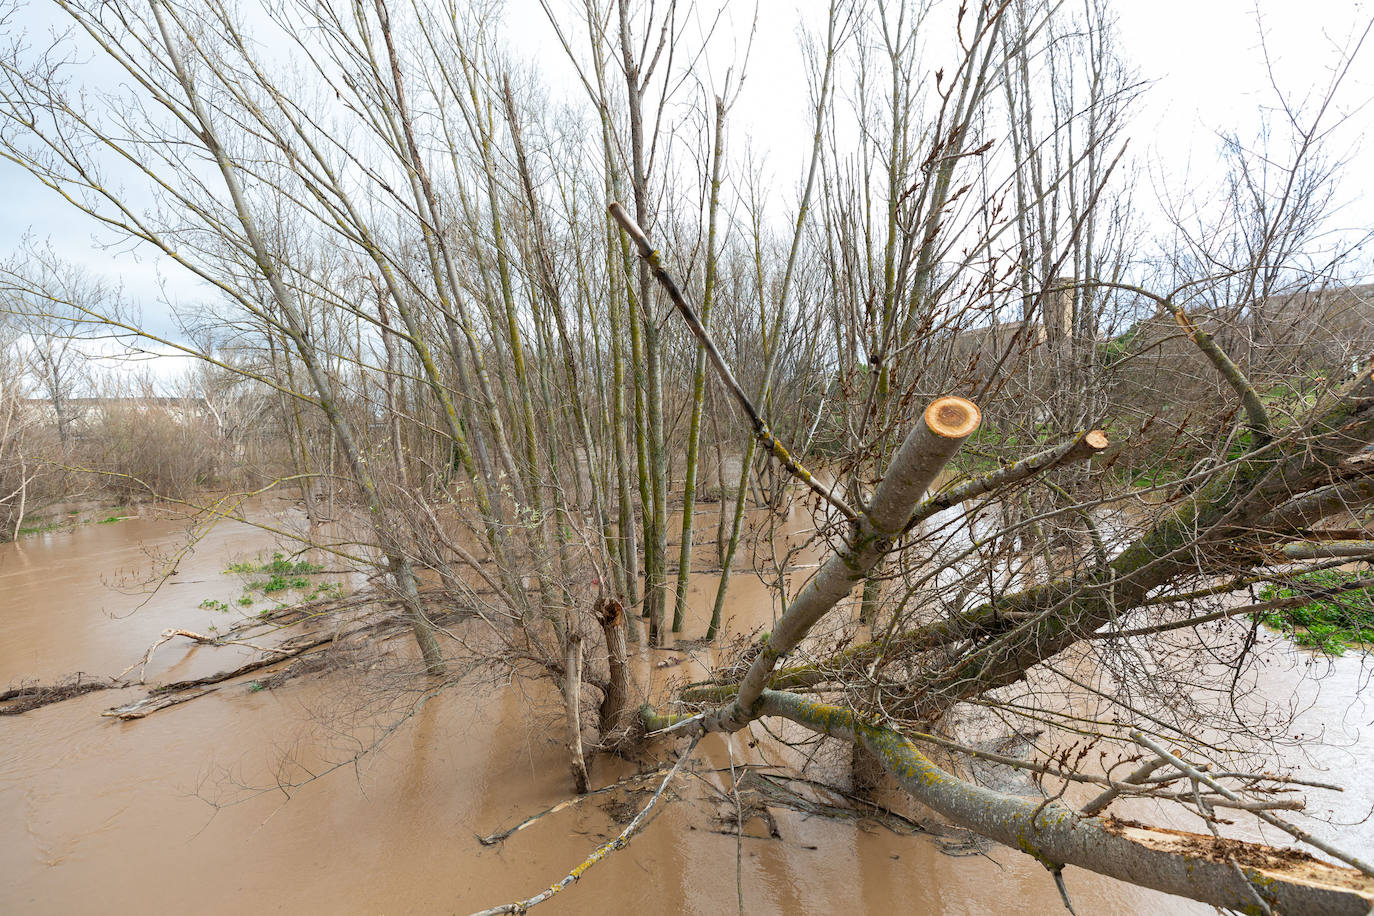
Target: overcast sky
[1204,59]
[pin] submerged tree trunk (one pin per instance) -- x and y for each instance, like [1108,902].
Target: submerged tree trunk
[572,708]
[654,457]
[618,718]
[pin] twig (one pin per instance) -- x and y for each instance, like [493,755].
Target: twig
[1276,605]
[739,827]
[1063,890]
[170,634]
[492,839]
[679,725]
[1099,804]
[1291,829]
[601,851]
[1080,448]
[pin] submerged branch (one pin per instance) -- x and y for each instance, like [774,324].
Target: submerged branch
[27,697]
[601,851]
[492,839]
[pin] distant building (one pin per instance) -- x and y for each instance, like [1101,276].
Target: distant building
[81,412]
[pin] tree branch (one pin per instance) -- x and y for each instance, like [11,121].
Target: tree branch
[760,427]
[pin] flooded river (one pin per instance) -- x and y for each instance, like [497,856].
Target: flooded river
[157,815]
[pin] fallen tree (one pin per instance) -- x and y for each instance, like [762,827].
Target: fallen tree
[995,645]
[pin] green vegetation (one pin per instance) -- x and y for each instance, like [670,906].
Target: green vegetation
[283,574]
[1331,624]
[279,583]
[1118,348]
[119,516]
[278,566]
[326,590]
[1156,476]
[41,528]
[72,518]
[276,584]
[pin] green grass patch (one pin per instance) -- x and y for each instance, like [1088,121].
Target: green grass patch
[42,528]
[282,575]
[278,583]
[326,590]
[278,567]
[1330,625]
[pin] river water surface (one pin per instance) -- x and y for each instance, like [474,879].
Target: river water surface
[159,815]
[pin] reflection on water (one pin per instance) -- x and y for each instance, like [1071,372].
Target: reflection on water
[1330,738]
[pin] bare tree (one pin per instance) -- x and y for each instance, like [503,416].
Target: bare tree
[413,258]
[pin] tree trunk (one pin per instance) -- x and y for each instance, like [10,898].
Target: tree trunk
[572,703]
[689,477]
[618,719]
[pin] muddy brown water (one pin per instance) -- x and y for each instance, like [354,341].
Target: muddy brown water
[98,815]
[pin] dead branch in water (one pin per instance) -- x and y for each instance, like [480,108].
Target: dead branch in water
[493,839]
[176,692]
[202,639]
[601,851]
[28,697]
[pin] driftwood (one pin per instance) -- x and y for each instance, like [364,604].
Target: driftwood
[620,842]
[173,694]
[202,639]
[27,697]
[176,692]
